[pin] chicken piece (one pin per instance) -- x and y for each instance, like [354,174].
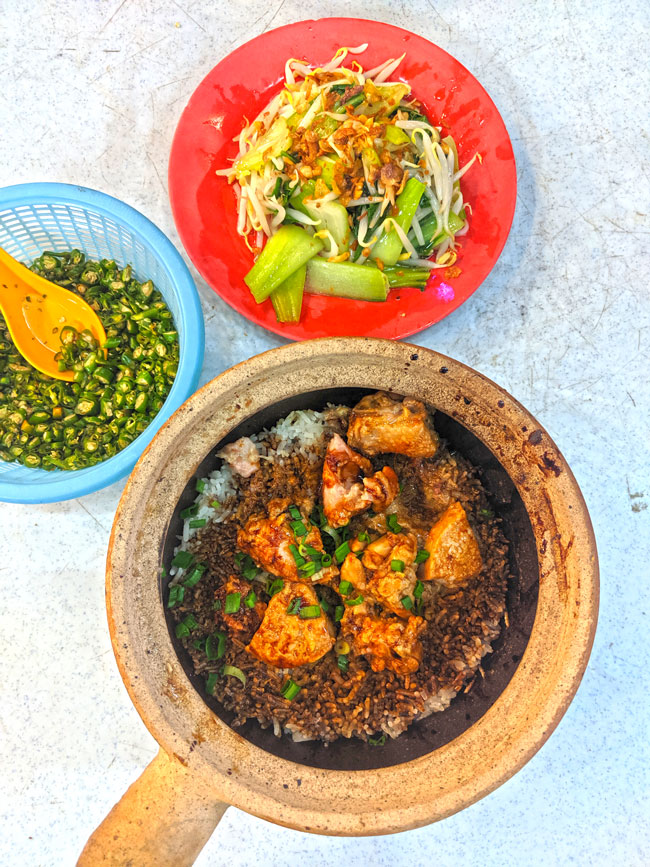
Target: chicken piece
[345,493]
[241,456]
[434,486]
[268,540]
[245,621]
[385,585]
[386,642]
[454,554]
[352,570]
[379,424]
[287,640]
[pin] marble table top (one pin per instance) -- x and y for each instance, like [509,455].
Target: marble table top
[90,93]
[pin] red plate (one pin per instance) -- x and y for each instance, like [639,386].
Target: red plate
[204,205]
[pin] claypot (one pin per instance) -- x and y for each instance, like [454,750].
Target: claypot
[441,764]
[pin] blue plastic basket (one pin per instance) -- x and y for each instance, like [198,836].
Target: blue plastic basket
[37,217]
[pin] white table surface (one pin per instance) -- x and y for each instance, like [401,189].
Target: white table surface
[90,93]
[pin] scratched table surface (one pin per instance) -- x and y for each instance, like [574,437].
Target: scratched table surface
[90,93]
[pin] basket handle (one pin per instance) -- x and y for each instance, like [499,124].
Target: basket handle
[164,819]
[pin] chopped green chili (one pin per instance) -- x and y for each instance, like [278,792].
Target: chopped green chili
[116,390]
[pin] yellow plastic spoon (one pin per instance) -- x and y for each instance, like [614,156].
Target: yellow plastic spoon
[36,310]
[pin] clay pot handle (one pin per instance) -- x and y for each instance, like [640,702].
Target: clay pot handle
[164,819]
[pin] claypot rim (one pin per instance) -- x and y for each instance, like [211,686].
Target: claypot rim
[477,761]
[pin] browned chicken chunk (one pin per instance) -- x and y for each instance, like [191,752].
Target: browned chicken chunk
[348,487]
[268,540]
[389,561]
[242,457]
[243,622]
[379,424]
[454,554]
[386,642]
[289,640]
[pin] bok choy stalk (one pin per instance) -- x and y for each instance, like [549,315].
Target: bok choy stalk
[433,232]
[283,254]
[345,279]
[287,298]
[389,246]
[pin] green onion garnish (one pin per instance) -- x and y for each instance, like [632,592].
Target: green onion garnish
[275,586]
[294,511]
[419,587]
[309,569]
[183,559]
[324,604]
[345,587]
[342,662]
[342,552]
[310,612]
[295,605]
[397,565]
[377,742]
[184,628]
[250,600]
[487,513]
[233,671]
[200,485]
[407,602]
[199,643]
[364,536]
[233,601]
[211,682]
[298,528]
[325,559]
[215,645]
[216,605]
[195,575]
[189,512]
[392,523]
[215,504]
[338,613]
[176,594]
[421,556]
[356,601]
[195,523]
[290,689]
[313,553]
[295,553]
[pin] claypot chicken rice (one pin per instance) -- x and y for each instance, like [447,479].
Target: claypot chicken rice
[341,574]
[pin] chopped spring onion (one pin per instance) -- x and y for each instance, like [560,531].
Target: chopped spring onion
[298,528]
[378,741]
[339,611]
[250,600]
[310,612]
[183,559]
[215,645]
[184,628]
[290,690]
[233,671]
[215,504]
[487,513]
[294,511]
[275,586]
[176,594]
[211,682]
[195,575]
[421,556]
[392,523]
[299,560]
[325,559]
[342,552]
[345,588]
[295,605]
[216,605]
[196,523]
[407,602]
[419,587]
[356,601]
[309,569]
[397,565]
[342,662]
[364,536]
[200,485]
[233,601]
[189,512]
[324,604]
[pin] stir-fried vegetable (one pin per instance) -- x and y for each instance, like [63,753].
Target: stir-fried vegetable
[345,157]
[117,389]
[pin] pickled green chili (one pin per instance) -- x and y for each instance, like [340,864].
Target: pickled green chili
[116,390]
